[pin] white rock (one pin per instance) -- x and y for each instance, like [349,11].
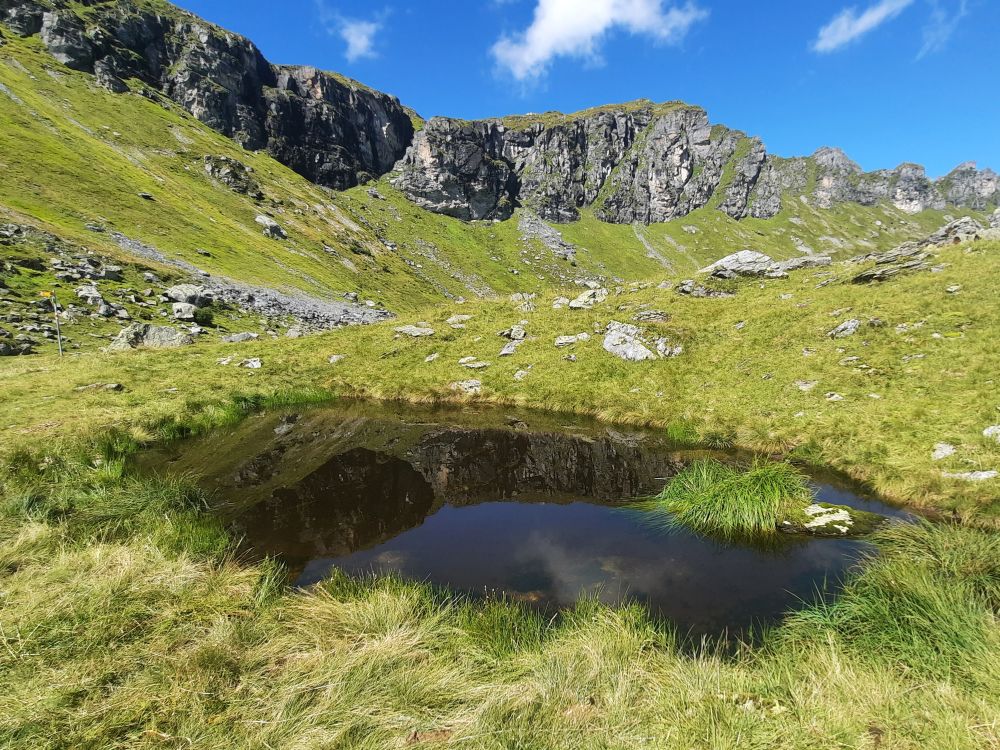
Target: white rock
[521,375]
[588,299]
[992,432]
[432,357]
[254,363]
[335,358]
[847,328]
[560,303]
[972,476]
[942,451]
[470,387]
[414,331]
[832,396]
[806,385]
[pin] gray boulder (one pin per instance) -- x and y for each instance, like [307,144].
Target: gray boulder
[144,335]
[588,299]
[183,311]
[271,228]
[235,175]
[415,332]
[189,294]
[239,338]
[845,329]
[995,219]
[753,263]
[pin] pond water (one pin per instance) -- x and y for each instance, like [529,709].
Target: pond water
[531,507]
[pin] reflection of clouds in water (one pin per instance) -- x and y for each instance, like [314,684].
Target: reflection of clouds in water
[573,573]
[391,559]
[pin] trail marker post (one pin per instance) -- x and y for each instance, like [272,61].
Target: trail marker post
[55,314]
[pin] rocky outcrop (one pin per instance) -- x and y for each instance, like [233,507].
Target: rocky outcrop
[648,163]
[330,130]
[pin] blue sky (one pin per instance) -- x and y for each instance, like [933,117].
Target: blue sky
[886,80]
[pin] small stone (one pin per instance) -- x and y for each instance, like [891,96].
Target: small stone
[183,311]
[224,361]
[510,348]
[521,375]
[847,328]
[254,363]
[414,331]
[432,357]
[942,451]
[833,396]
[466,360]
[972,476]
[335,358]
[806,385]
[469,387]
[992,432]
[110,387]
[954,289]
[239,338]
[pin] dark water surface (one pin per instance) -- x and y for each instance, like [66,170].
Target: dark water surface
[532,507]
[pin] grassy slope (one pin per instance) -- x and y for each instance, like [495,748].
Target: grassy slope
[126,622]
[730,385]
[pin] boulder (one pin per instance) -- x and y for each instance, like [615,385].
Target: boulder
[239,338]
[588,299]
[625,342]
[235,175]
[995,219]
[271,228]
[468,387]
[847,328]
[184,311]
[144,335]
[414,331]
[753,263]
[189,294]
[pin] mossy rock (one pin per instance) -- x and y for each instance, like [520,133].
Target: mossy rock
[826,519]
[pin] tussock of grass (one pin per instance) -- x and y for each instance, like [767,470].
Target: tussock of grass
[716,499]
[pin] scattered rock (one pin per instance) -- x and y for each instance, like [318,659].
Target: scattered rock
[111,387]
[510,348]
[254,363]
[690,289]
[753,263]
[521,375]
[514,333]
[847,328]
[417,331]
[183,311]
[971,476]
[588,299]
[942,451]
[562,341]
[651,316]
[468,387]
[149,336]
[806,385]
[271,228]
[834,396]
[239,338]
[432,357]
[992,432]
[560,302]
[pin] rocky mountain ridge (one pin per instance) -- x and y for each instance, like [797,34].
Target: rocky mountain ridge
[330,130]
[634,163]
[647,163]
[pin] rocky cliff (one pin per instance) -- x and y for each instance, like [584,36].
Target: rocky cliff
[331,130]
[647,163]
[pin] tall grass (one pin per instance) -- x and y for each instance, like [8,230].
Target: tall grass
[716,499]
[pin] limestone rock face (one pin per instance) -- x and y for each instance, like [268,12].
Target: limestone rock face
[646,163]
[331,130]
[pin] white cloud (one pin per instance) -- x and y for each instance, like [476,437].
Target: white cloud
[570,28]
[849,24]
[941,25]
[357,34]
[360,37]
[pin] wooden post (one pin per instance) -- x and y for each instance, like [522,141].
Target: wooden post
[55,314]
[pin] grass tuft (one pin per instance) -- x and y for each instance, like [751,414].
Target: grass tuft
[716,499]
